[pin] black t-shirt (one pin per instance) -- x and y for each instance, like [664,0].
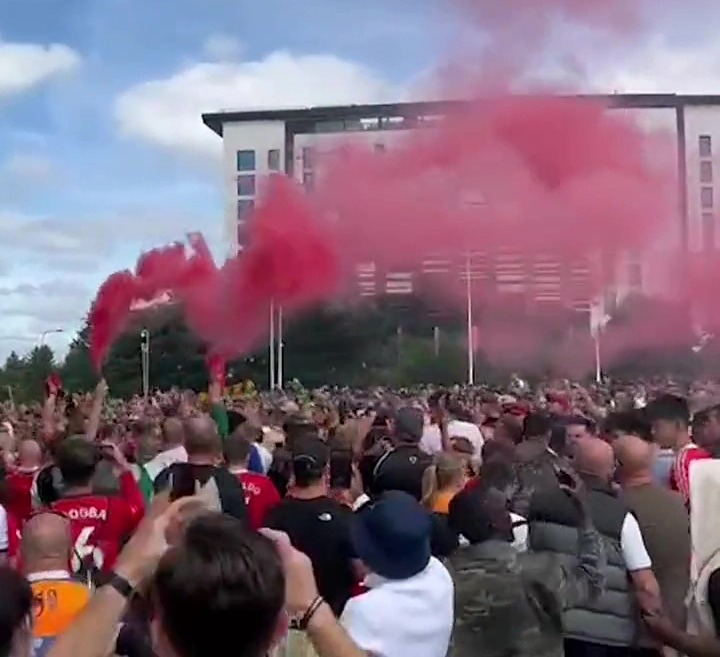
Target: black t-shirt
[320,527]
[402,469]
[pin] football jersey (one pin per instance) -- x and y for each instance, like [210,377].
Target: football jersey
[19,485]
[100,525]
[260,496]
[57,600]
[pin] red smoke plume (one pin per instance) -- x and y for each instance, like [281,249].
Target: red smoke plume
[525,176]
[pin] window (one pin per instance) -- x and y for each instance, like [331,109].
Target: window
[246,160]
[246,185]
[245,208]
[241,234]
[707,198]
[379,148]
[274,159]
[708,231]
[308,180]
[706,171]
[705,145]
[308,156]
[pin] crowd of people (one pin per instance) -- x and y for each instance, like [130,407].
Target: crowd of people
[548,519]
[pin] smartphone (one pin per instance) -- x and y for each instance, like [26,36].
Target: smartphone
[181,482]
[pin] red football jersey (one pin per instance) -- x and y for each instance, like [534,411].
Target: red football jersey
[19,485]
[260,496]
[680,473]
[100,524]
[13,526]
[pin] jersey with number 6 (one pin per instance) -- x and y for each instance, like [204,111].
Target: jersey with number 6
[100,525]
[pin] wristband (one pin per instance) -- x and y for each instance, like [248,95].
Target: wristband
[302,623]
[121,585]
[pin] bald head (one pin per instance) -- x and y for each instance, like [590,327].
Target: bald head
[173,432]
[202,437]
[634,456]
[594,456]
[46,539]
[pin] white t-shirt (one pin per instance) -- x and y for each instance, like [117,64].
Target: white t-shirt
[633,546]
[397,618]
[431,441]
[3,530]
[164,460]
[520,532]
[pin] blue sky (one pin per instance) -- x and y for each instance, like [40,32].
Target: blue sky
[102,151]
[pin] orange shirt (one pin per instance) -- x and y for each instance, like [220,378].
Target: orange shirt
[442,503]
[57,600]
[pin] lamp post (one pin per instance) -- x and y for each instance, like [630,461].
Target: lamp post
[44,335]
[280,350]
[470,201]
[271,348]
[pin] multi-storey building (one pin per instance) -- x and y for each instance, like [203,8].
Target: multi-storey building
[257,142]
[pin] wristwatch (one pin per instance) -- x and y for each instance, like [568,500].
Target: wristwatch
[121,585]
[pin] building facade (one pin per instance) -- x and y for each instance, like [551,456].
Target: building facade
[259,142]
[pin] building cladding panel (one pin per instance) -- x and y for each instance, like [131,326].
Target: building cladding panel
[289,140]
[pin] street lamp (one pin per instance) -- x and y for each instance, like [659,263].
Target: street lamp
[44,335]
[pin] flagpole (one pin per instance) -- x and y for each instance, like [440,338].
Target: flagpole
[271,347]
[469,308]
[281,350]
[598,364]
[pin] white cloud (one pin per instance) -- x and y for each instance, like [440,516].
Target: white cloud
[222,47]
[54,307]
[26,65]
[657,67]
[167,112]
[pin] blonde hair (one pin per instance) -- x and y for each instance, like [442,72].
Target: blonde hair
[447,471]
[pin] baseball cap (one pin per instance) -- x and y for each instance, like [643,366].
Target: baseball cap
[310,456]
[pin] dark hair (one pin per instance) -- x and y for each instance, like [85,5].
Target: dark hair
[537,425]
[239,444]
[497,473]
[222,581]
[16,606]
[634,422]
[76,459]
[669,407]
[497,449]
[280,469]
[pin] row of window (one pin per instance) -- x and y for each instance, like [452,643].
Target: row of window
[246,160]
[707,192]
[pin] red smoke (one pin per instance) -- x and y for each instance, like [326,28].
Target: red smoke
[288,260]
[529,176]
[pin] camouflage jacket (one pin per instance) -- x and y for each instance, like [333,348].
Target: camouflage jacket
[510,604]
[535,470]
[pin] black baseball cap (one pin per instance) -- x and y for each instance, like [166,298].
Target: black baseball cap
[310,456]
